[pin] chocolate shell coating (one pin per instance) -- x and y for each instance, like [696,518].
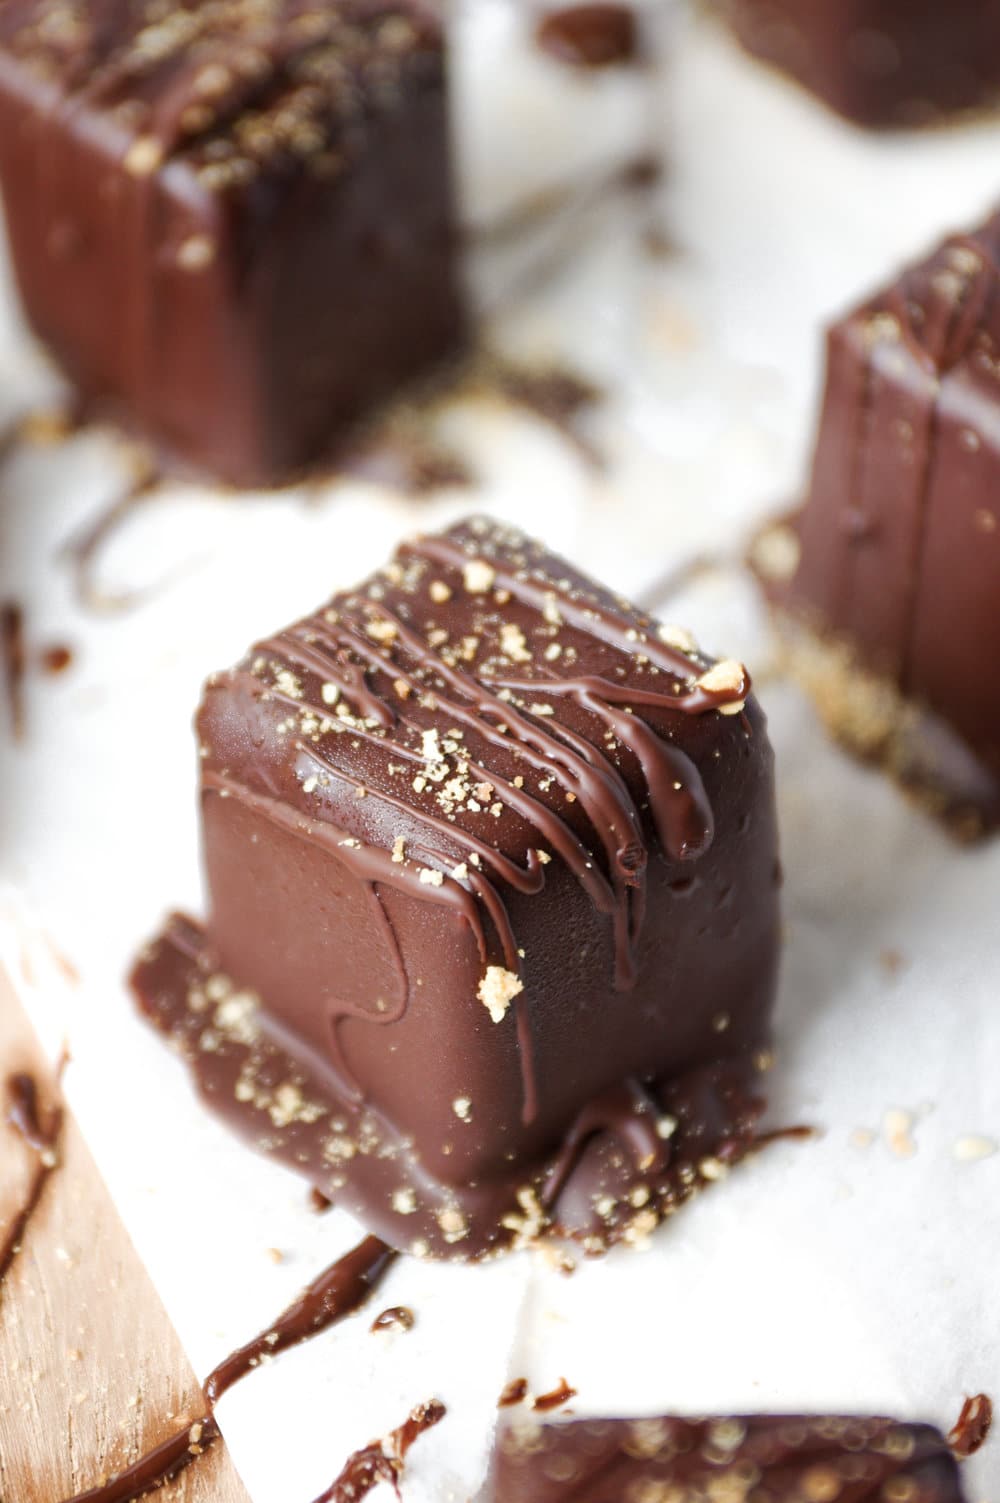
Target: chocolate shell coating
[893,593]
[880,63]
[781,1459]
[496,858]
[231,224]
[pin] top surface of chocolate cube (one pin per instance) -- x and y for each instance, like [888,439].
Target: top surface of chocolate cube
[231,222]
[785,1460]
[497,855]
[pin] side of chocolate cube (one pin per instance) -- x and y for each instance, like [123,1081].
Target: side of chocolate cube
[497,855]
[880,63]
[232,225]
[816,1459]
[891,606]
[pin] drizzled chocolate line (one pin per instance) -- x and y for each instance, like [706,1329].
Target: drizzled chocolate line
[336,1293]
[43,1137]
[159,1466]
[382,1460]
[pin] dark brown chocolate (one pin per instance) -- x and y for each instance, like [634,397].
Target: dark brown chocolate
[880,62]
[382,1460]
[888,578]
[494,924]
[732,1460]
[232,224]
[41,1133]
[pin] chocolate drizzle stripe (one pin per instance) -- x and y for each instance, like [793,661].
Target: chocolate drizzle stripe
[43,1138]
[594,619]
[335,1294]
[159,1466]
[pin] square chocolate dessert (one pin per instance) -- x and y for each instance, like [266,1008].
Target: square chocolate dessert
[880,62]
[232,224]
[739,1460]
[493,878]
[887,582]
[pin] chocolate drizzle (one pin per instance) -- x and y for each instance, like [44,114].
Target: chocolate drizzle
[159,1466]
[335,1294]
[382,1460]
[42,1136]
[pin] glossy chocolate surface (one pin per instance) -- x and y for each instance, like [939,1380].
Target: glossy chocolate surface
[231,223]
[880,63]
[899,537]
[493,882]
[734,1460]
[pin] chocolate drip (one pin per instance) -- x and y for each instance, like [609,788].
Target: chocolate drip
[43,1137]
[590,35]
[514,1392]
[631,1116]
[338,1292]
[83,549]
[382,1460]
[159,1466]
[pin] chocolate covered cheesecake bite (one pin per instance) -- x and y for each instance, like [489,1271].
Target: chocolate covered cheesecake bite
[880,63]
[493,925]
[886,584]
[231,224]
[784,1460]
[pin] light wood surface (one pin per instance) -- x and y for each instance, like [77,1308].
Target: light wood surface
[91,1371]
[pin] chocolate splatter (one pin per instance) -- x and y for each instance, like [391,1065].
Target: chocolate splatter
[514,1392]
[972,1426]
[318,1201]
[382,1460]
[56,658]
[43,1138]
[335,1294]
[561,1394]
[396,1318]
[12,651]
[591,35]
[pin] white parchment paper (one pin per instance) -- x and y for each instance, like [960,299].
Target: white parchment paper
[854,1272]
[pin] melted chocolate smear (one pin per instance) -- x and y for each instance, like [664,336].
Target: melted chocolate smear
[56,659]
[396,1318]
[338,1292]
[159,1466]
[514,1392]
[561,1394]
[972,1426]
[638,1153]
[12,650]
[83,550]
[590,35]
[43,1137]
[382,1460]
[318,1201]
